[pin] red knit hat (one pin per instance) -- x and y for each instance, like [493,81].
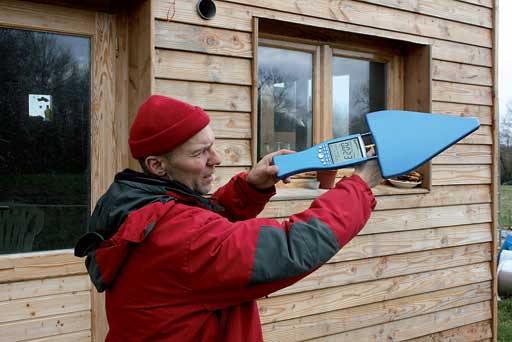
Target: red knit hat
[162,123]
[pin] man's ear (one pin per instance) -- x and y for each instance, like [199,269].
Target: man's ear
[156,165]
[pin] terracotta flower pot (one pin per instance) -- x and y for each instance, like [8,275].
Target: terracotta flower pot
[326,178]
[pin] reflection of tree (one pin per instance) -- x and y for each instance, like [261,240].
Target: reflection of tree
[34,63]
[281,85]
[361,106]
[506,145]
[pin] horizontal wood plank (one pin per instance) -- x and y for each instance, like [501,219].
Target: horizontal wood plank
[482,135]
[230,125]
[43,287]
[462,53]
[486,3]
[210,96]
[468,333]
[31,15]
[191,66]
[18,267]
[228,16]
[419,218]
[335,274]
[446,9]
[482,113]
[374,314]
[234,152]
[224,174]
[81,336]
[465,154]
[416,326]
[461,73]
[27,308]
[45,327]
[177,36]
[368,246]
[239,17]
[461,93]
[279,308]
[438,196]
[461,174]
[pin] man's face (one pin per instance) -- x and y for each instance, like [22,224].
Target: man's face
[193,163]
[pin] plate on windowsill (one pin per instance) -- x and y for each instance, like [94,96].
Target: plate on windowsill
[403,184]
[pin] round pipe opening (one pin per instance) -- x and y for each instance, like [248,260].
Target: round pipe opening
[206,9]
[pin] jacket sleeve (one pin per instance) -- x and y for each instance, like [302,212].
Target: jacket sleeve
[241,200]
[230,263]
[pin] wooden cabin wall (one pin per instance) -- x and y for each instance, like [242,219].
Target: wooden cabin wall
[422,268]
[47,296]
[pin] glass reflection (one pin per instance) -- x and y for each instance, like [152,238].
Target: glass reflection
[285,100]
[358,87]
[44,139]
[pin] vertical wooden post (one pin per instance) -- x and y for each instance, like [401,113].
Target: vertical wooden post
[495,174]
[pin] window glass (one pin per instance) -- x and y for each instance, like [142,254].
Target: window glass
[358,88]
[44,139]
[285,100]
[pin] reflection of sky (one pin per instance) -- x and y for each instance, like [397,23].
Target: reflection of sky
[288,62]
[79,47]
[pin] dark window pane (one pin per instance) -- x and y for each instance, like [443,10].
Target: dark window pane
[44,139]
[358,88]
[285,100]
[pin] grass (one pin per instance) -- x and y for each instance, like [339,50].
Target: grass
[505,320]
[506,206]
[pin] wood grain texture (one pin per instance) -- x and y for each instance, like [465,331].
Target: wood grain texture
[446,9]
[465,154]
[482,113]
[368,246]
[190,66]
[43,287]
[230,124]
[171,35]
[417,326]
[461,73]
[439,196]
[468,333]
[461,93]
[383,18]
[279,308]
[15,267]
[81,336]
[348,272]
[234,152]
[210,96]
[36,307]
[45,327]
[374,314]
[31,15]
[461,174]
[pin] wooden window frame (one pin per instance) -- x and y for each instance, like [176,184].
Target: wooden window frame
[402,59]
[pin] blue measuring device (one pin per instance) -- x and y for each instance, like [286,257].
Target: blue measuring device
[403,140]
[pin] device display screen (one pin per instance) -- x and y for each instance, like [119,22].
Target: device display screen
[342,151]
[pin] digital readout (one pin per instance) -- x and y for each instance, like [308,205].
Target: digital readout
[345,150]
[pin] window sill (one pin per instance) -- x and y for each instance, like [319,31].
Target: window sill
[294,192]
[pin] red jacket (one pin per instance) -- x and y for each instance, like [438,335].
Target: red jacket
[178,268]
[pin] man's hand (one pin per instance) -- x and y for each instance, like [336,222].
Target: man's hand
[369,172]
[263,175]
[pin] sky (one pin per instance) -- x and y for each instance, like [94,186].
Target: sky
[504,55]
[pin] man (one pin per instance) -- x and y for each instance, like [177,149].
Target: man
[177,266]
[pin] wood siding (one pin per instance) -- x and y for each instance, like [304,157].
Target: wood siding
[421,269]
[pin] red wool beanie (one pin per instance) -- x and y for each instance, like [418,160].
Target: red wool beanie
[162,123]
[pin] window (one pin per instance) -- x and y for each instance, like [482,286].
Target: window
[292,82]
[316,84]
[44,139]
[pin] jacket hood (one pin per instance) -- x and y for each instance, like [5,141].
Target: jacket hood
[131,191]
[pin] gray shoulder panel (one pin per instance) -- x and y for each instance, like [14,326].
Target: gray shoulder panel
[279,256]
